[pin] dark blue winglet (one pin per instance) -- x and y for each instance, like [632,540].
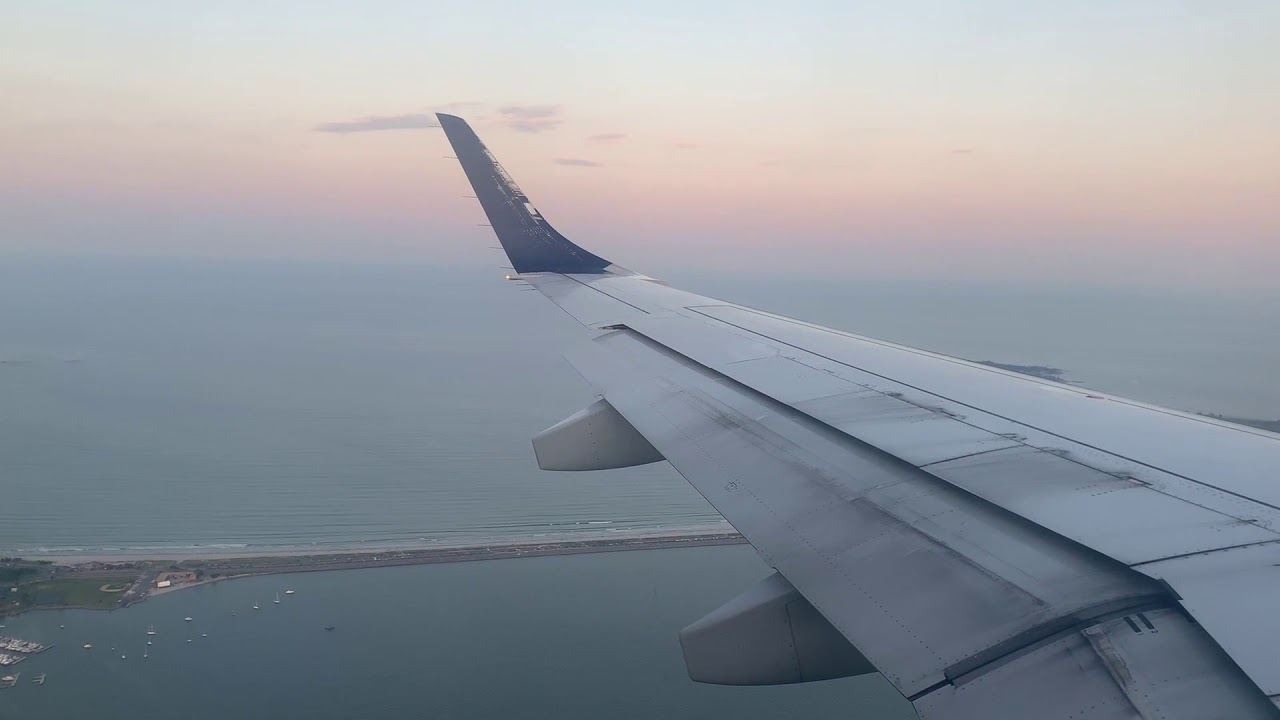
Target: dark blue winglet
[530,241]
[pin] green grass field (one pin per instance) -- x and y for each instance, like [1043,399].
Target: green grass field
[73,592]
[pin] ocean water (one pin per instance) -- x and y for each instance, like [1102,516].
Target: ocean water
[154,406]
[584,636]
[171,407]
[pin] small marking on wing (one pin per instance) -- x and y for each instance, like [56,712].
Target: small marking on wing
[1147,622]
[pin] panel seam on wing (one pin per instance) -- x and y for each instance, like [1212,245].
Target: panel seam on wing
[978,409]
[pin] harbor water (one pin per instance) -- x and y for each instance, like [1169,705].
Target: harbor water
[579,636]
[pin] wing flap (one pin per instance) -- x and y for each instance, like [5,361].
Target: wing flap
[925,580]
[1144,666]
[1234,595]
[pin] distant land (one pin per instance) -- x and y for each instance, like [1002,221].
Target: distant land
[1046,372]
[106,585]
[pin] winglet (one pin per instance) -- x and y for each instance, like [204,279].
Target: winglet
[528,239]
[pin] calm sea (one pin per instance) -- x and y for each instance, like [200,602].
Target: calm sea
[151,405]
[155,406]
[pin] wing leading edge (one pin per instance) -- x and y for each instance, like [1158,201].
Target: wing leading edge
[996,547]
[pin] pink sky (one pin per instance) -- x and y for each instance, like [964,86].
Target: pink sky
[1075,144]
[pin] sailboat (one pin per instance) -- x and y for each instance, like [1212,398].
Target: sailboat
[255,604]
[144,654]
[277,600]
[288,592]
[151,629]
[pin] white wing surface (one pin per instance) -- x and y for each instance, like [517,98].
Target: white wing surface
[997,546]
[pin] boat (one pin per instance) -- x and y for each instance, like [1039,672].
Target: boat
[144,655]
[188,639]
[151,629]
[148,642]
[88,646]
[288,592]
[122,656]
[188,618]
[255,604]
[204,634]
[277,600]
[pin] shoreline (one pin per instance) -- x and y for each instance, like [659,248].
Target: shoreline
[80,556]
[207,570]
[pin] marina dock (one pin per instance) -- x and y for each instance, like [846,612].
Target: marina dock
[25,647]
[14,651]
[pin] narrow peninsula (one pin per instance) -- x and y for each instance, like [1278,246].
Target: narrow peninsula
[109,583]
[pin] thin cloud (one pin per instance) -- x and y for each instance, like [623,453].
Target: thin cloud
[460,105]
[379,123]
[530,118]
[577,162]
[608,137]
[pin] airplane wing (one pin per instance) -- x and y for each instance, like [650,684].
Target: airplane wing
[998,546]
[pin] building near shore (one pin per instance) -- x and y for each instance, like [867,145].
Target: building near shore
[174,578]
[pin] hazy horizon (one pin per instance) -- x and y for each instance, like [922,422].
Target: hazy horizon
[1078,146]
